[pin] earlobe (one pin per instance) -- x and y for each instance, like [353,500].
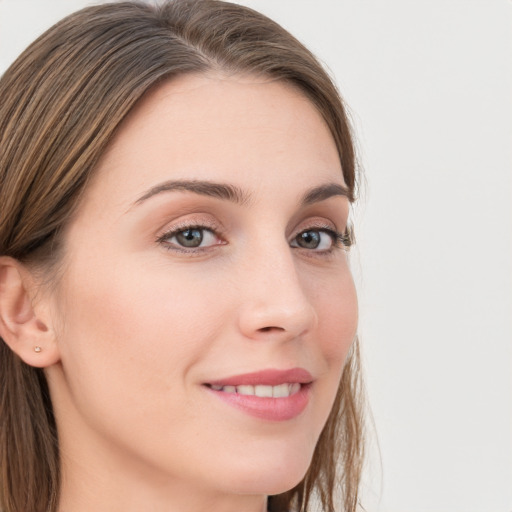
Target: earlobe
[27,333]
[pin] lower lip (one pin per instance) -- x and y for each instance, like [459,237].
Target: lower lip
[270,409]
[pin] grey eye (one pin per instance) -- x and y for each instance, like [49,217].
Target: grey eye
[193,237]
[308,239]
[190,237]
[315,239]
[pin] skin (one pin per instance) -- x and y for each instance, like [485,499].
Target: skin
[140,323]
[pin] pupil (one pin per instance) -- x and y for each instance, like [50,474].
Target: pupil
[190,237]
[309,239]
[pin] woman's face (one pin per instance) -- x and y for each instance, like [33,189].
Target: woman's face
[205,266]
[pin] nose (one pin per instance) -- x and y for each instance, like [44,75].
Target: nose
[275,301]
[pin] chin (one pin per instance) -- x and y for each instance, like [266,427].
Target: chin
[275,475]
[270,484]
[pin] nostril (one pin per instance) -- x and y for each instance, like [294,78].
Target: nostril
[267,329]
[276,318]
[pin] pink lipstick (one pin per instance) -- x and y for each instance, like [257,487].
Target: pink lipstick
[274,395]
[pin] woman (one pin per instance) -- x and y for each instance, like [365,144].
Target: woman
[177,312]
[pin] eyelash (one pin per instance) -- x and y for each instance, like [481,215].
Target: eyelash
[176,230]
[339,240]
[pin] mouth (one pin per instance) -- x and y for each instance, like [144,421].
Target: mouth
[273,395]
[280,391]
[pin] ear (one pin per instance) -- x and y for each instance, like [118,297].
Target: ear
[24,325]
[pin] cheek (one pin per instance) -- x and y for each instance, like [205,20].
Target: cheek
[128,343]
[337,310]
[137,329]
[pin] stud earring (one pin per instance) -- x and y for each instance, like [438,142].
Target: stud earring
[37,349]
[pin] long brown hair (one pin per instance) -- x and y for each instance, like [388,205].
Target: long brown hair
[61,103]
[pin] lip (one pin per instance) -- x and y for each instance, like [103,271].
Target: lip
[267,408]
[270,377]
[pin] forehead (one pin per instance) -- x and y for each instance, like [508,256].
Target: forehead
[244,130]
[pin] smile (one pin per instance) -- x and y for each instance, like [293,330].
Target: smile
[272,395]
[280,391]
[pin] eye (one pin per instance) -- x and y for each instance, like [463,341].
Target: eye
[192,237]
[315,239]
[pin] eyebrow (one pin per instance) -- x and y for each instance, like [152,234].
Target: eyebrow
[236,195]
[323,192]
[205,188]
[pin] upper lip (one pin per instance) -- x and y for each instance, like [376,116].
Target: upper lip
[269,377]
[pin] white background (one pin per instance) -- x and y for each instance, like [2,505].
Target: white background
[429,86]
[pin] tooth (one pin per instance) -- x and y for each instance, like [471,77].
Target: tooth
[281,391]
[294,388]
[245,390]
[263,391]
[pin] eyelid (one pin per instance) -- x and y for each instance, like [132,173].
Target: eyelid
[320,220]
[195,222]
[337,237]
[341,239]
[190,222]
